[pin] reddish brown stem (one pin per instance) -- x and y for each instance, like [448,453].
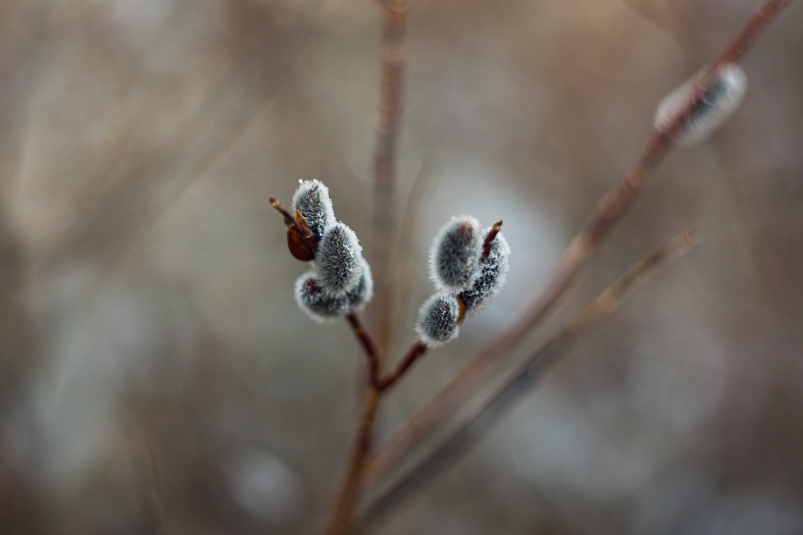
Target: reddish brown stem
[489,239]
[416,351]
[342,518]
[368,345]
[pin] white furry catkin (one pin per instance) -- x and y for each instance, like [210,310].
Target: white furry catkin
[491,279]
[313,300]
[362,292]
[312,200]
[339,260]
[718,103]
[437,320]
[455,253]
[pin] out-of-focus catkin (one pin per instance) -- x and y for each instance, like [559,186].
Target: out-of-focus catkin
[722,98]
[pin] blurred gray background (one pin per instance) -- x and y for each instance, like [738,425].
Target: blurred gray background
[157,376]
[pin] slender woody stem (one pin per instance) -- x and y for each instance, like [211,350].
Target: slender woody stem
[489,240]
[414,353]
[394,16]
[342,518]
[368,345]
[607,212]
[342,513]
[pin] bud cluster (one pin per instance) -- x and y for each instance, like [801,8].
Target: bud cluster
[341,280]
[466,277]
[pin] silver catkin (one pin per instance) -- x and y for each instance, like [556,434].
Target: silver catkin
[339,260]
[491,279]
[437,320]
[312,200]
[455,253]
[719,102]
[319,305]
[362,292]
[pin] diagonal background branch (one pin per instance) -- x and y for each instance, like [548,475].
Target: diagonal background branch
[608,211]
[522,380]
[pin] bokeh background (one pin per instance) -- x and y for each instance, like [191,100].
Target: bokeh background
[156,375]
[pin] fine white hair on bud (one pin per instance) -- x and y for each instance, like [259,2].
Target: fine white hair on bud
[319,305]
[455,254]
[363,290]
[723,97]
[312,200]
[491,279]
[339,260]
[437,320]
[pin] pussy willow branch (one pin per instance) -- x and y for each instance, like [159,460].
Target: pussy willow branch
[341,519]
[475,427]
[394,17]
[342,513]
[608,211]
[418,348]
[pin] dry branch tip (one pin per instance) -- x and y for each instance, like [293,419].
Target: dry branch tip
[488,243]
[300,240]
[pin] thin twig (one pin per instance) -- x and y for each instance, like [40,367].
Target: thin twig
[416,351]
[394,16]
[368,345]
[489,239]
[461,440]
[342,516]
[342,512]
[607,212]
[341,519]
[298,225]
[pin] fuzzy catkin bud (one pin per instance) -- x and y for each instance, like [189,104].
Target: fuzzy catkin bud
[363,290]
[315,302]
[339,260]
[491,279]
[437,320]
[312,200]
[720,101]
[455,253]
